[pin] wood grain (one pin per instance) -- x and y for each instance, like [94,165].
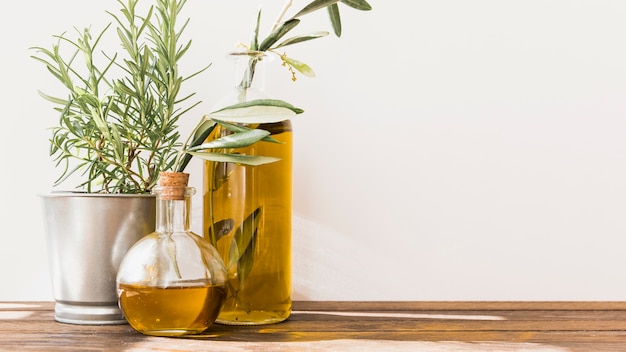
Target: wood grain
[349,326]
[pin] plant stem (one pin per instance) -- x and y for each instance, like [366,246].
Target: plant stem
[281,15]
[212,233]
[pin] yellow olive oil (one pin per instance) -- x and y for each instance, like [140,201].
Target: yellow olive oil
[171,311]
[247,217]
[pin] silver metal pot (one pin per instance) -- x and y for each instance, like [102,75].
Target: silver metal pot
[88,235]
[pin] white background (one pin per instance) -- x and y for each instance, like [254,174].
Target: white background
[450,150]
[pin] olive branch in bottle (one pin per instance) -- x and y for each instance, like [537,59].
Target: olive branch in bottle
[243,242]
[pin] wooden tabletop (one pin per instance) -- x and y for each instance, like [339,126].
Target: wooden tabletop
[349,326]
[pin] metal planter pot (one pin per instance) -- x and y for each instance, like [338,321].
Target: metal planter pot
[88,235]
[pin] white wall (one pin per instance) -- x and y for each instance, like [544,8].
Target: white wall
[450,150]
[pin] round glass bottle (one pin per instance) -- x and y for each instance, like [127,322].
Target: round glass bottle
[248,216]
[171,282]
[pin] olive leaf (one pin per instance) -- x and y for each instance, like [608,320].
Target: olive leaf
[280,32]
[221,228]
[243,238]
[239,128]
[237,140]
[300,66]
[170,247]
[358,4]
[301,38]
[221,174]
[203,131]
[255,38]
[257,111]
[244,265]
[335,18]
[237,109]
[242,137]
[252,160]
[314,6]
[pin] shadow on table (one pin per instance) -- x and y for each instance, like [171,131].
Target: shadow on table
[324,325]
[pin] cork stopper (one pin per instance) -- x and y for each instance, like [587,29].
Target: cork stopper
[173,185]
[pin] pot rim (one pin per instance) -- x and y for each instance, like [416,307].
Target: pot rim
[68,194]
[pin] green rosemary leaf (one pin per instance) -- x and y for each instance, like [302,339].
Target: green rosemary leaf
[117,142]
[52,99]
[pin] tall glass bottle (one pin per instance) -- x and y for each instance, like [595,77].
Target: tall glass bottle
[247,214]
[171,282]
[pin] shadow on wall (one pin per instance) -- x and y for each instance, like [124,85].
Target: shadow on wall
[329,265]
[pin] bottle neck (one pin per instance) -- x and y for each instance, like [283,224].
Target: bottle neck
[249,74]
[173,215]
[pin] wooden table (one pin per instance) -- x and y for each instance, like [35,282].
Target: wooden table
[350,326]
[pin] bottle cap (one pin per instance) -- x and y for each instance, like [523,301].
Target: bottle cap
[173,185]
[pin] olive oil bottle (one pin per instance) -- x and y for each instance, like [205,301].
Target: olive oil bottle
[247,216]
[171,282]
[247,209]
